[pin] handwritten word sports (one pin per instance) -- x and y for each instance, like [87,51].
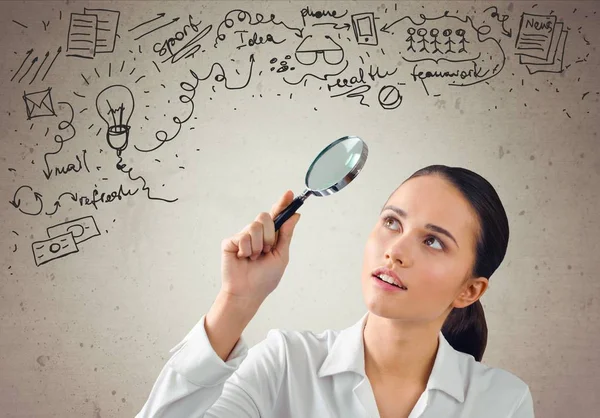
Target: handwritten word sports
[189,49]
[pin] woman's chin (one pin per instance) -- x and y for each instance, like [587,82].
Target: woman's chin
[380,305]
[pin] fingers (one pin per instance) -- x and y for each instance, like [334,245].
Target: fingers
[268,231]
[255,238]
[259,236]
[285,235]
[256,232]
[283,202]
[244,244]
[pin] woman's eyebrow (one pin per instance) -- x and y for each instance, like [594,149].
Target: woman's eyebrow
[401,213]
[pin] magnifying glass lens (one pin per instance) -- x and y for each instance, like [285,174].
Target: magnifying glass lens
[334,163]
[336,166]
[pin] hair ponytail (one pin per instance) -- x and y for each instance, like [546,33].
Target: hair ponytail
[465,329]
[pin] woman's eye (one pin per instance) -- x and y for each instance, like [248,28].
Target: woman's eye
[388,221]
[434,239]
[431,241]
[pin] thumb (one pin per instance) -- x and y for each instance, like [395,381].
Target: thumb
[285,234]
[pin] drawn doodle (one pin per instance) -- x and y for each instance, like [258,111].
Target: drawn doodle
[63,239]
[39,104]
[448,36]
[334,26]
[82,229]
[159,16]
[69,168]
[27,54]
[58,51]
[283,64]
[14,250]
[373,73]
[237,17]
[53,248]
[27,201]
[443,50]
[93,32]
[255,39]
[81,41]
[107,27]
[319,14]
[115,105]
[389,97]
[501,19]
[33,62]
[20,24]
[40,67]
[356,92]
[309,51]
[540,43]
[324,77]
[364,28]
[93,200]
[123,168]
[162,136]
[535,35]
[173,51]
[57,203]
[64,125]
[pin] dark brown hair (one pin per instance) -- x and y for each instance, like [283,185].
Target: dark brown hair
[465,328]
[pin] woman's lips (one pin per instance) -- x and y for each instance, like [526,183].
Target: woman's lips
[387,286]
[389,272]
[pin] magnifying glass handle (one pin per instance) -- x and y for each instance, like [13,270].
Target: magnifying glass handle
[288,211]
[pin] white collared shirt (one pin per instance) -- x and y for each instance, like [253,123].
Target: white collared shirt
[303,374]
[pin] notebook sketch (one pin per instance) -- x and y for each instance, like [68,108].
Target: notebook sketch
[93,32]
[541,43]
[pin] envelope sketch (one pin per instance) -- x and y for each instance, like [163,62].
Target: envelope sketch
[39,103]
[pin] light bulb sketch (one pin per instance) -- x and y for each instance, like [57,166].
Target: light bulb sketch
[115,105]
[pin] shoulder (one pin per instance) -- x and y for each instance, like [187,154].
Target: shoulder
[296,341]
[483,389]
[482,379]
[296,348]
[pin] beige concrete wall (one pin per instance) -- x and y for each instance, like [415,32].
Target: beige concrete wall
[86,325]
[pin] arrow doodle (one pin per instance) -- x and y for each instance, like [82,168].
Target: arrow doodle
[335,26]
[155,29]
[159,16]
[33,61]
[52,62]
[40,67]
[57,202]
[16,201]
[23,63]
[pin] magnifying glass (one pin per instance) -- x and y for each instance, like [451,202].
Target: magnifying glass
[336,166]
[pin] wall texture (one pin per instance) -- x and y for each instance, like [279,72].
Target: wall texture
[136,136]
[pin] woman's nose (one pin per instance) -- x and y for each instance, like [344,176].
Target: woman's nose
[399,251]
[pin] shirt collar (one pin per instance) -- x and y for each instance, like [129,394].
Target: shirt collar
[347,355]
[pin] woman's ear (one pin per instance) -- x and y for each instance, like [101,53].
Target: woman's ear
[472,290]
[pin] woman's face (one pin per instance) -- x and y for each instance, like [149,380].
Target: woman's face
[426,234]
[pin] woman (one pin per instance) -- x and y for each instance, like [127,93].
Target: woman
[415,353]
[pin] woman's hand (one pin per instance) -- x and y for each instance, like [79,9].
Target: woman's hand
[254,260]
